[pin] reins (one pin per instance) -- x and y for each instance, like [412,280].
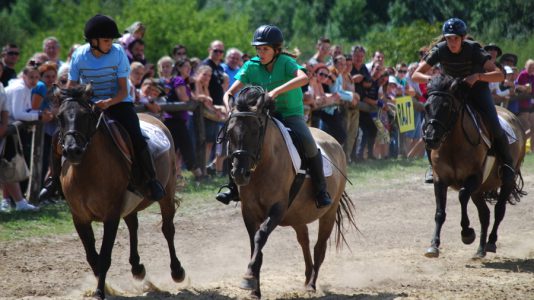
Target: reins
[76,134]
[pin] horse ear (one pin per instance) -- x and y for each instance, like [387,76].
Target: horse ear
[88,93]
[55,95]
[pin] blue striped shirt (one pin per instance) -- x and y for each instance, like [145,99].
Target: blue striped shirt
[103,72]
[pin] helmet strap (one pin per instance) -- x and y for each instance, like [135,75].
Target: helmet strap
[97,47]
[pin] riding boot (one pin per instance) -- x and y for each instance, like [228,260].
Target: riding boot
[231,195]
[322,198]
[155,190]
[51,185]
[500,144]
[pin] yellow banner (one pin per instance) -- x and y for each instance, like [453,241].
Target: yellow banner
[405,114]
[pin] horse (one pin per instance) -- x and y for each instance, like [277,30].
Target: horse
[262,169]
[462,158]
[95,177]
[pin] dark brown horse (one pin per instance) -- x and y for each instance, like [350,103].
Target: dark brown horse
[461,158]
[95,177]
[262,169]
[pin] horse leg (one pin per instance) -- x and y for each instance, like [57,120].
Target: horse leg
[440,192]
[167,215]
[483,216]
[86,234]
[138,270]
[468,233]
[304,242]
[104,259]
[251,280]
[326,224]
[500,210]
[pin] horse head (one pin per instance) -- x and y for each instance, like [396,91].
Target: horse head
[441,107]
[245,130]
[77,120]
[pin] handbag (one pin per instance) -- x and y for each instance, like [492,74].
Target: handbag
[16,169]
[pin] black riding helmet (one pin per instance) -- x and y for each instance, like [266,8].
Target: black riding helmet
[454,26]
[101,26]
[267,35]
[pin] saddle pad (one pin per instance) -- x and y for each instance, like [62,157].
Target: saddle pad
[512,138]
[295,157]
[157,140]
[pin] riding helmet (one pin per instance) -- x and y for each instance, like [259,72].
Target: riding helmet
[101,26]
[267,35]
[454,26]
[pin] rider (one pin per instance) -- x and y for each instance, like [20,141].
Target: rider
[278,73]
[463,58]
[105,65]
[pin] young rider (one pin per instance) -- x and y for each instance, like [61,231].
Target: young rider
[105,65]
[463,58]
[279,74]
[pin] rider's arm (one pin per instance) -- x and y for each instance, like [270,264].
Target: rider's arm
[419,75]
[236,87]
[300,79]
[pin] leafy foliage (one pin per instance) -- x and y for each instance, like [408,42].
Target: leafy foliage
[398,27]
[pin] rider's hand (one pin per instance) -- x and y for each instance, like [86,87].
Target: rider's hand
[472,79]
[103,104]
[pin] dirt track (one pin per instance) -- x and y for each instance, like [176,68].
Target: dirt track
[385,261]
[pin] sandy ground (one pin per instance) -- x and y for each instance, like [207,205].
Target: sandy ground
[385,259]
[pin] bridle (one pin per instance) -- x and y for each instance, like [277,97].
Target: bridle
[451,117]
[262,124]
[77,135]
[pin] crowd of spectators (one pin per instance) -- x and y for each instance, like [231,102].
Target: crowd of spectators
[349,97]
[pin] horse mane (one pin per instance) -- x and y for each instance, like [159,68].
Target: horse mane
[441,83]
[248,98]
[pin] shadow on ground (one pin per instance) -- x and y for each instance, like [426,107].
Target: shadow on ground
[513,265]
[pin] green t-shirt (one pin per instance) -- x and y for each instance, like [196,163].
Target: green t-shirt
[253,73]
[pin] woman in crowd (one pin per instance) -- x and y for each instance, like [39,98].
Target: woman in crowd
[19,105]
[177,121]
[525,82]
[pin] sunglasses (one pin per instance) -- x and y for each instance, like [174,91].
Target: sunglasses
[322,74]
[13,53]
[403,71]
[181,53]
[218,51]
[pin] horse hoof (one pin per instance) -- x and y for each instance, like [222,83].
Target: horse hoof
[178,276]
[432,252]
[139,272]
[479,255]
[468,236]
[99,295]
[249,283]
[311,288]
[491,247]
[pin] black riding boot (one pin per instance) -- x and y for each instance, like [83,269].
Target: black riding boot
[231,195]
[502,149]
[51,185]
[322,198]
[155,190]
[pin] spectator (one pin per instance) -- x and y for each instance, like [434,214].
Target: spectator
[4,115]
[38,58]
[52,48]
[177,121]
[506,90]
[10,57]
[41,101]
[335,51]
[317,83]
[216,92]
[508,59]
[150,92]
[351,112]
[322,47]
[400,75]
[232,64]
[245,57]
[137,51]
[63,75]
[19,104]
[179,52]
[136,31]
[378,58]
[165,73]
[525,82]
[494,51]
[137,71]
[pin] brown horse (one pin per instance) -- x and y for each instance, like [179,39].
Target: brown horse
[262,169]
[462,159]
[95,177]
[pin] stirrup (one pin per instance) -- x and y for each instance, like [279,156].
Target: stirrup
[156,190]
[323,199]
[226,197]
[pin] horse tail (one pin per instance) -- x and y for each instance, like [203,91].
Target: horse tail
[515,195]
[345,211]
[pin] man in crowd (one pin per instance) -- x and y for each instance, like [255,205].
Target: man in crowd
[323,48]
[10,57]
[52,48]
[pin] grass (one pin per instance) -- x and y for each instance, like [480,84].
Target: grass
[56,219]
